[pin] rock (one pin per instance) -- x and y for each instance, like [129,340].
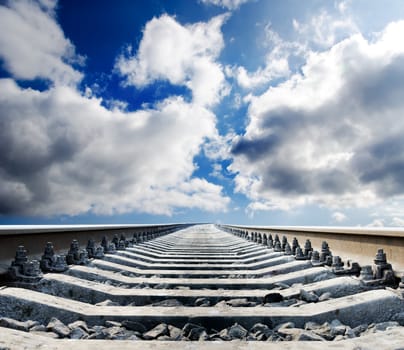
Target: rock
[309,335]
[97,333]
[339,338]
[18,325]
[360,329]
[224,334]
[273,298]
[285,325]
[117,333]
[382,326]
[310,297]
[78,333]
[237,332]
[222,303]
[311,325]
[134,326]
[399,318]
[240,302]
[164,337]
[107,303]
[183,288]
[58,327]
[324,331]
[159,330]
[202,302]
[197,333]
[174,332]
[168,303]
[194,332]
[259,327]
[349,333]
[337,328]
[31,323]
[81,324]
[112,324]
[298,334]
[325,296]
[38,328]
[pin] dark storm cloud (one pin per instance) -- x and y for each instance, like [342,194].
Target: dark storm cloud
[382,165]
[334,134]
[257,148]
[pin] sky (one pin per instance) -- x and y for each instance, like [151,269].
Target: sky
[254,112]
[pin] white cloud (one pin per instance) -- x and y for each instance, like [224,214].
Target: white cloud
[33,45]
[276,61]
[376,223]
[338,216]
[329,135]
[325,30]
[397,222]
[321,32]
[182,55]
[63,153]
[229,4]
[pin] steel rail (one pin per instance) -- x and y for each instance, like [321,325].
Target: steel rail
[360,244]
[34,237]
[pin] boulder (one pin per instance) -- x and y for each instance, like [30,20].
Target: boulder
[382,326]
[168,303]
[325,296]
[298,334]
[202,302]
[174,332]
[58,327]
[81,324]
[78,333]
[18,325]
[134,326]
[240,302]
[154,333]
[310,297]
[112,324]
[285,325]
[337,328]
[237,332]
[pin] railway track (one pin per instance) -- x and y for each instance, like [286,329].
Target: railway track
[202,287]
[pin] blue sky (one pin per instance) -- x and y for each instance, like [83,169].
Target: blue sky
[240,111]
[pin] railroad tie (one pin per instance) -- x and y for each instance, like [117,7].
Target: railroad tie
[205,287]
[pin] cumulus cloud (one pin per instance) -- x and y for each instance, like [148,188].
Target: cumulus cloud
[183,55]
[276,61]
[376,223]
[338,216]
[324,29]
[329,135]
[32,44]
[229,4]
[397,222]
[320,32]
[64,153]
